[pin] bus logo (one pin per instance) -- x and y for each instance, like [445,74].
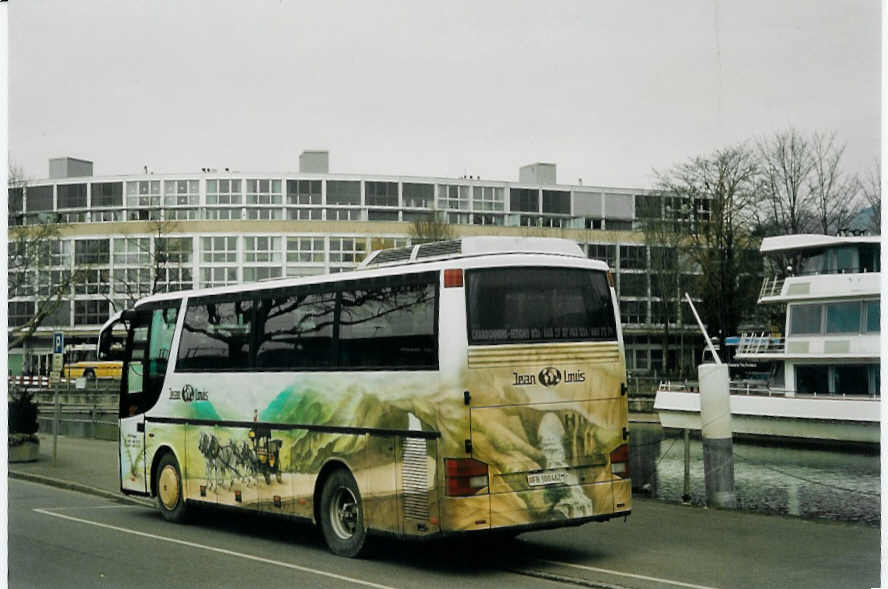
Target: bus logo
[550,376]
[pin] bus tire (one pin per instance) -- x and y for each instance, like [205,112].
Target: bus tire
[89,375]
[168,485]
[342,514]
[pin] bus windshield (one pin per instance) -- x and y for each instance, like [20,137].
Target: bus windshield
[535,305]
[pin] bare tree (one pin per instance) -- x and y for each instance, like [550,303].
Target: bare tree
[664,224]
[39,277]
[803,185]
[871,187]
[785,164]
[720,190]
[432,227]
[834,193]
[158,256]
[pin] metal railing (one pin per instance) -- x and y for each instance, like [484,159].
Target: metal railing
[772,286]
[761,390]
[760,343]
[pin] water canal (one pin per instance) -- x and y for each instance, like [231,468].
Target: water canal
[778,478]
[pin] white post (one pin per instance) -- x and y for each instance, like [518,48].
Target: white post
[718,450]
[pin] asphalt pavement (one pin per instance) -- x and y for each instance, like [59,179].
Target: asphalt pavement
[689,546]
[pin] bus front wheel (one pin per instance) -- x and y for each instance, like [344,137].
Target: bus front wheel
[342,514]
[168,485]
[90,376]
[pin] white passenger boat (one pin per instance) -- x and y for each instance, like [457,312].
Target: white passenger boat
[824,373]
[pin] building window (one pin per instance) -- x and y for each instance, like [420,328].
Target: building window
[605,252]
[633,285]
[453,196]
[459,218]
[343,192]
[632,257]
[16,200]
[106,194]
[343,214]
[175,278]
[90,312]
[143,193]
[262,249]
[143,214]
[301,250]
[224,192]
[106,216]
[92,281]
[133,282]
[72,196]
[648,207]
[221,276]
[381,194]
[304,214]
[347,250]
[487,219]
[556,201]
[181,193]
[214,214]
[218,250]
[174,250]
[264,192]
[91,251]
[384,215]
[420,196]
[39,198]
[181,214]
[132,251]
[304,192]
[257,273]
[487,198]
[524,199]
[633,312]
[267,214]
[20,312]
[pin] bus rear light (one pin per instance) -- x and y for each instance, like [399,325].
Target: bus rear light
[453,278]
[465,476]
[620,461]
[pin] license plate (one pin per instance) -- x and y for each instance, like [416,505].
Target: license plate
[548,477]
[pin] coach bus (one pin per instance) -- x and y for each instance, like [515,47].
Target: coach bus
[475,385]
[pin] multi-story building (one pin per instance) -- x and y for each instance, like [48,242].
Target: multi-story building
[132,235]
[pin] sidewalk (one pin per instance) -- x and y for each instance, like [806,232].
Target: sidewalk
[82,464]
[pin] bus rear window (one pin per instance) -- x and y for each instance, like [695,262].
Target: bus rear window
[534,305]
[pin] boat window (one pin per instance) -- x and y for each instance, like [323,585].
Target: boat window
[804,319]
[812,379]
[850,379]
[844,259]
[869,258]
[812,262]
[872,315]
[843,317]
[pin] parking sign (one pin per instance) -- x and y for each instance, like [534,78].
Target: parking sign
[58,343]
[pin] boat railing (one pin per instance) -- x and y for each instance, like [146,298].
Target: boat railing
[772,286]
[759,389]
[760,343]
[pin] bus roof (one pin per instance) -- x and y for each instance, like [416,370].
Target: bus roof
[419,258]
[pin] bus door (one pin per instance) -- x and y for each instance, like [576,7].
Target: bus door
[148,347]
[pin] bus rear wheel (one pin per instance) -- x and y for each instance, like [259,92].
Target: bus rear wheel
[89,375]
[342,514]
[168,485]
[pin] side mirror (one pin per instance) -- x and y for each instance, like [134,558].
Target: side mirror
[111,347]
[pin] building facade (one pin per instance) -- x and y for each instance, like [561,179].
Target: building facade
[129,236]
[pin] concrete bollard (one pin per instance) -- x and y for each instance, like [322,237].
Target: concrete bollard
[718,445]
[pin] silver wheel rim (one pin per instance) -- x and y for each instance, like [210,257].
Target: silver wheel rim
[344,513]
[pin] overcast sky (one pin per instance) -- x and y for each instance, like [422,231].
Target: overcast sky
[607,90]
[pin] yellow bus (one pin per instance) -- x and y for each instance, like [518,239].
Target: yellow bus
[81,361]
[475,385]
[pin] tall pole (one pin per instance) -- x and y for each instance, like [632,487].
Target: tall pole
[715,418]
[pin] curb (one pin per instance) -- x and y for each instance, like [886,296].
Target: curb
[72,486]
